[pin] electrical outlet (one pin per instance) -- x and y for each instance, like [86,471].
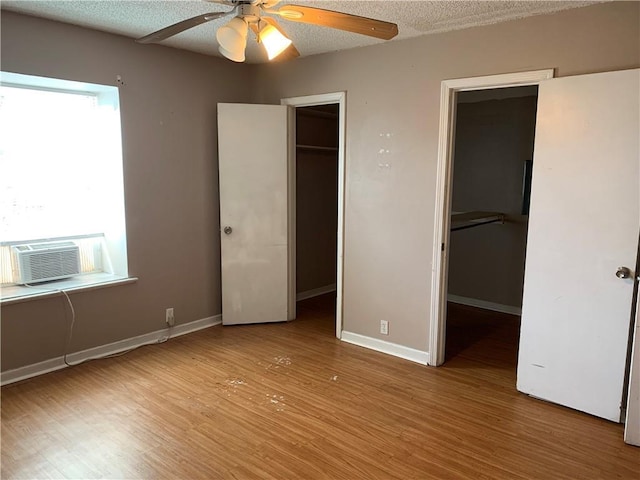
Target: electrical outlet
[170,319]
[384,327]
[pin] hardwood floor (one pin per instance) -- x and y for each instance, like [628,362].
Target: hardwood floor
[289,401]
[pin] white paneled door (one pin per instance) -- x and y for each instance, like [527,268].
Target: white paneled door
[253,156]
[583,226]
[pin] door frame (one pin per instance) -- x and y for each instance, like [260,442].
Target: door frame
[632,417]
[338,98]
[440,266]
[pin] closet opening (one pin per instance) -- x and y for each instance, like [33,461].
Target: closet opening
[316,212]
[490,188]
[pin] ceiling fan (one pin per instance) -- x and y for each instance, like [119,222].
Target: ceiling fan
[256,16]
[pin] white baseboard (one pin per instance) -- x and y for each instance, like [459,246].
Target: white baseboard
[394,349]
[316,292]
[53,364]
[473,302]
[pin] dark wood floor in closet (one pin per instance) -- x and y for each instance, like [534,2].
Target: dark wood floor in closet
[482,336]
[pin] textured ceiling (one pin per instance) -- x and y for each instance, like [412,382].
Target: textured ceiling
[136,18]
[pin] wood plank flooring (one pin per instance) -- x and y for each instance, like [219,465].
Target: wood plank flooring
[289,401]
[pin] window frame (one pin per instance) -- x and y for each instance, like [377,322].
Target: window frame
[114,242]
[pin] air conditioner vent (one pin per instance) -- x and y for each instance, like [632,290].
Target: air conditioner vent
[47,261]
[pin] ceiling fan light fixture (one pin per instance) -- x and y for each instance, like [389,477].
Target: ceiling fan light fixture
[233,34]
[274,42]
[236,55]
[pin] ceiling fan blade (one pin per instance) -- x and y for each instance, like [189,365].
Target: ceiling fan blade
[176,28]
[291,51]
[341,21]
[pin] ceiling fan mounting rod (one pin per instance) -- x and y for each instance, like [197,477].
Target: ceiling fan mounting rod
[250,12]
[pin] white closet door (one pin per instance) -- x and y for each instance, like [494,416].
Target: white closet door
[583,225]
[253,169]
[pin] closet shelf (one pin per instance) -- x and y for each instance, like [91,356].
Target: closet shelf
[461,221]
[317,148]
[309,112]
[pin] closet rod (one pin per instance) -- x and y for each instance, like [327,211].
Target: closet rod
[462,221]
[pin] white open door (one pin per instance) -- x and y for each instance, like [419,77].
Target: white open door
[253,156]
[583,226]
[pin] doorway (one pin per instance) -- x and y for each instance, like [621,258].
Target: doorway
[452,90]
[316,209]
[490,193]
[316,185]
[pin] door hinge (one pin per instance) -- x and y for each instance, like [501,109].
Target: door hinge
[442,248]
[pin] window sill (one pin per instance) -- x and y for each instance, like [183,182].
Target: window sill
[93,281]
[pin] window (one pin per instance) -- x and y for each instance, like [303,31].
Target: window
[61,171]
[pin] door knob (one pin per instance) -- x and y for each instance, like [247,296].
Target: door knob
[228,231]
[623,272]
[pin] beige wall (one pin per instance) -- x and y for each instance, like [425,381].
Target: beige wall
[394,89]
[168,106]
[492,141]
[168,109]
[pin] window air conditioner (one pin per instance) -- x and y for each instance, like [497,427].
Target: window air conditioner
[47,261]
